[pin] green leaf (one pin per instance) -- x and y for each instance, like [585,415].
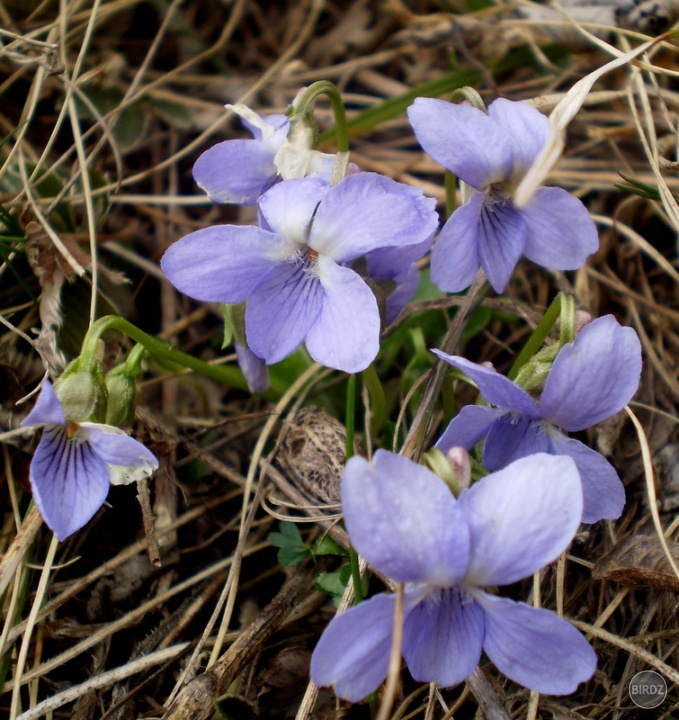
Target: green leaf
[292,548]
[327,546]
[332,583]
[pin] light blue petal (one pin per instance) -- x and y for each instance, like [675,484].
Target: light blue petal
[116,447]
[346,333]
[525,128]
[535,648]
[495,388]
[69,481]
[223,263]
[501,238]
[235,171]
[468,427]
[455,257]
[463,139]
[404,520]
[521,518]
[406,285]
[442,637]
[514,436]
[289,207]
[604,493]
[593,377]
[353,652]
[282,309]
[47,409]
[561,235]
[388,263]
[278,121]
[366,211]
[253,368]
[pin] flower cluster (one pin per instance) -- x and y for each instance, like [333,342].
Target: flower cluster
[327,265]
[332,259]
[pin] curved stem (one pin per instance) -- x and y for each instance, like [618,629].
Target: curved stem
[162,353]
[324,87]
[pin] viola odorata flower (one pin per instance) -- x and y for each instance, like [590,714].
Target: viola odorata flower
[591,379]
[406,523]
[75,462]
[292,270]
[240,171]
[491,152]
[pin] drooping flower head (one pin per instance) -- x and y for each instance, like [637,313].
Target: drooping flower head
[491,153]
[240,171]
[591,379]
[292,271]
[75,462]
[406,523]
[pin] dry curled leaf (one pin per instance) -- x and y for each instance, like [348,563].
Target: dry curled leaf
[639,560]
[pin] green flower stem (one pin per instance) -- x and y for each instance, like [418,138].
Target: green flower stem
[567,317]
[468,94]
[134,359]
[356,575]
[378,401]
[163,354]
[450,184]
[349,452]
[324,87]
[350,423]
[538,337]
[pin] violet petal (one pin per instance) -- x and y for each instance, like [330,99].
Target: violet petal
[561,233]
[69,481]
[534,647]
[521,518]
[404,520]
[442,637]
[593,377]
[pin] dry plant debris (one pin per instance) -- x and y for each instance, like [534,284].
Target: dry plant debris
[165,611]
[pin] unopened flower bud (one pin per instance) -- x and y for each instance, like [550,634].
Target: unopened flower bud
[82,394]
[582,319]
[460,464]
[122,397]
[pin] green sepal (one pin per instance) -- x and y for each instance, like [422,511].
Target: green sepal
[234,324]
[82,393]
[437,462]
[123,396]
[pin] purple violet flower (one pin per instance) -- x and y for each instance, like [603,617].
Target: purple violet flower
[291,271]
[74,464]
[406,523]
[491,153]
[239,171]
[591,379]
